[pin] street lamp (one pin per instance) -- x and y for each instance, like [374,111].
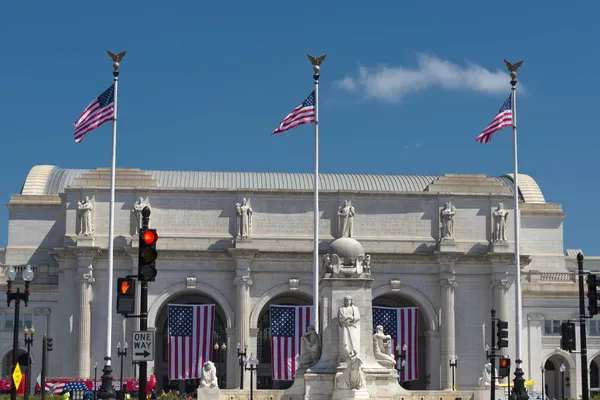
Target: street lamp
[241,357]
[95,378]
[401,356]
[10,273]
[453,363]
[121,355]
[251,365]
[543,386]
[28,333]
[562,369]
[219,357]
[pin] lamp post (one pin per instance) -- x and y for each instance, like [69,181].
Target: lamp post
[121,355]
[10,273]
[242,358]
[95,378]
[453,363]
[251,365]
[562,369]
[401,356]
[28,333]
[543,387]
[219,356]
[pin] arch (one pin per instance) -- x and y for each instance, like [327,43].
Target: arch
[416,297]
[180,289]
[565,355]
[591,358]
[270,294]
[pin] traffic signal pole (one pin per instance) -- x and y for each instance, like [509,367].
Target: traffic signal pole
[492,358]
[582,332]
[143,380]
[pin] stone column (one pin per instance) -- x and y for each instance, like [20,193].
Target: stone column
[447,328]
[242,282]
[84,280]
[432,346]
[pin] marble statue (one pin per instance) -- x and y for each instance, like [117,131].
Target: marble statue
[138,206]
[85,208]
[500,215]
[447,218]
[486,377]
[310,348]
[367,265]
[327,270]
[348,319]
[346,220]
[244,219]
[353,377]
[209,375]
[382,347]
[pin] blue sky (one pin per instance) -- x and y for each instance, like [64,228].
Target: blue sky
[406,88]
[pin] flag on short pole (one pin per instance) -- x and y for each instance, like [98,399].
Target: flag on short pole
[99,111]
[402,325]
[502,119]
[303,114]
[288,325]
[190,339]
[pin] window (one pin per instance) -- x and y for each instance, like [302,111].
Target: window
[593,328]
[552,327]
[25,320]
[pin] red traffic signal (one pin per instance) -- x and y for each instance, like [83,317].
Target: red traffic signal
[150,237]
[504,362]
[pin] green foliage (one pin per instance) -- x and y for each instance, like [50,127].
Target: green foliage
[20,397]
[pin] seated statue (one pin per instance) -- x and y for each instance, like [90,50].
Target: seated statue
[309,348]
[485,381]
[382,347]
[209,375]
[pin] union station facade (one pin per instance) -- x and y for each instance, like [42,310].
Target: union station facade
[453,283]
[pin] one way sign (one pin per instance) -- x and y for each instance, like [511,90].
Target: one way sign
[143,346]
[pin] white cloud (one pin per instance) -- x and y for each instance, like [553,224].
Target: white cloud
[392,83]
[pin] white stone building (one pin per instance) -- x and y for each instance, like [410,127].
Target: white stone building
[454,283]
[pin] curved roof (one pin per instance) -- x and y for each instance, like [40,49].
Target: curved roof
[51,180]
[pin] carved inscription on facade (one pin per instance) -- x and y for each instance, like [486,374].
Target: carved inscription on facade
[411,225]
[179,215]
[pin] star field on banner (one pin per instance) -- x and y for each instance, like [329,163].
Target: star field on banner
[402,325]
[288,325]
[303,114]
[190,339]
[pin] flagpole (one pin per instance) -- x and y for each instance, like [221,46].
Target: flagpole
[316,62]
[106,390]
[519,382]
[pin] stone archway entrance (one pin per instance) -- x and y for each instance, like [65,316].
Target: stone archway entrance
[557,382]
[219,358]
[397,301]
[21,359]
[263,340]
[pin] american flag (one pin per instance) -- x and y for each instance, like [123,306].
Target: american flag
[303,114]
[288,325]
[402,325]
[190,339]
[98,112]
[501,120]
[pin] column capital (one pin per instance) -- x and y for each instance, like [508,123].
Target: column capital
[245,280]
[503,283]
[535,317]
[85,275]
[448,280]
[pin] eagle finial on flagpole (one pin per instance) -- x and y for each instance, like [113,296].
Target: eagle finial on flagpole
[116,58]
[512,68]
[316,62]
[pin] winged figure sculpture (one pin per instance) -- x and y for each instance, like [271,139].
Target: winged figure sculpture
[513,68]
[316,61]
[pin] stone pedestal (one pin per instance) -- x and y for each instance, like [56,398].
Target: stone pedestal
[208,393]
[446,245]
[85,241]
[501,247]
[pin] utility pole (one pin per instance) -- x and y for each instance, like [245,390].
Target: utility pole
[582,333]
[143,380]
[492,357]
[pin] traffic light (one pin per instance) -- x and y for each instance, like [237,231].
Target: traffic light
[502,333]
[49,341]
[567,336]
[504,370]
[125,296]
[147,260]
[592,294]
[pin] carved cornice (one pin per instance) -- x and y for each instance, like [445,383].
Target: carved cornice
[448,257]
[243,254]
